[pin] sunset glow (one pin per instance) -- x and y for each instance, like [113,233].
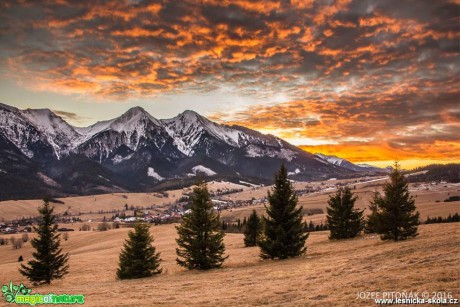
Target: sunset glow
[368,81]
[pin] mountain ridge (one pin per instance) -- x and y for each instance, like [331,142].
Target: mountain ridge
[136,151]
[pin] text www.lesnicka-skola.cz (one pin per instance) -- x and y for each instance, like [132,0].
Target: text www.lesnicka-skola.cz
[408,297]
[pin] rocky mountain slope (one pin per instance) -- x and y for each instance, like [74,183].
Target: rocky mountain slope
[136,151]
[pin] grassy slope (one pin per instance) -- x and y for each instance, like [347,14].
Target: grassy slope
[330,274]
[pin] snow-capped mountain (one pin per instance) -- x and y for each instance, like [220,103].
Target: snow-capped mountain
[334,160]
[119,138]
[58,132]
[190,130]
[26,136]
[136,151]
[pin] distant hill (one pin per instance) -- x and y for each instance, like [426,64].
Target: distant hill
[437,172]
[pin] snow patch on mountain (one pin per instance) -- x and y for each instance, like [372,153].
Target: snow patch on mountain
[331,159]
[321,160]
[118,159]
[203,169]
[103,178]
[151,173]
[48,180]
[297,171]
[254,151]
[286,154]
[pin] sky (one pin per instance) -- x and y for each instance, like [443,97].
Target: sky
[369,81]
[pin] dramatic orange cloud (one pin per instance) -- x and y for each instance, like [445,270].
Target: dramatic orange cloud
[379,77]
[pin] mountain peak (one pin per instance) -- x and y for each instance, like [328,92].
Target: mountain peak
[190,115]
[135,112]
[190,112]
[136,109]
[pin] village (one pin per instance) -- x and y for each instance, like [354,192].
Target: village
[225,197]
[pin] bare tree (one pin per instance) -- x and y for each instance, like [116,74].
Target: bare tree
[65,236]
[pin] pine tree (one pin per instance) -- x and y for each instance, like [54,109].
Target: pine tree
[343,220]
[201,242]
[138,258]
[284,232]
[49,262]
[397,217]
[373,219]
[252,230]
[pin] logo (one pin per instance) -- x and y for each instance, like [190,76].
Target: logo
[21,295]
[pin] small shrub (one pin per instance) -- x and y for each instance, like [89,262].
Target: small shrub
[20,259]
[85,227]
[25,237]
[65,236]
[452,198]
[103,226]
[17,244]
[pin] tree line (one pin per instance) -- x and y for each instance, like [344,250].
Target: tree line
[280,234]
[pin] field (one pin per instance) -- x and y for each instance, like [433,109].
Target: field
[330,274]
[13,209]
[429,200]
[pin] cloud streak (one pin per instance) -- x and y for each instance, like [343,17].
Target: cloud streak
[74,117]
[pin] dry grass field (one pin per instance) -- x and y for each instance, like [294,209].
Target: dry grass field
[13,209]
[429,200]
[330,274]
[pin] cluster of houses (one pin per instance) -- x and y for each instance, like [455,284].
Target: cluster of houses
[146,216]
[175,211]
[15,227]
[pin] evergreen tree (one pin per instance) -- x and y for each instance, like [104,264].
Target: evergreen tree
[343,220]
[201,242]
[397,217]
[311,226]
[138,257]
[373,219]
[252,230]
[49,262]
[284,232]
